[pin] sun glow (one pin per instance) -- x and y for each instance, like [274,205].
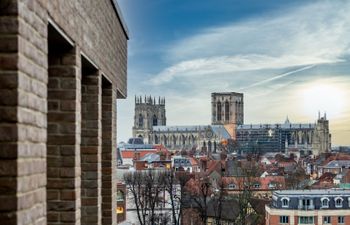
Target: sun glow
[323,97]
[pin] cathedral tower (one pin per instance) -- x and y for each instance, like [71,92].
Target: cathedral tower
[149,112]
[321,138]
[227,108]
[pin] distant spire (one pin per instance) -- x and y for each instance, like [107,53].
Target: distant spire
[287,120]
[325,115]
[145,99]
[154,100]
[319,114]
[159,100]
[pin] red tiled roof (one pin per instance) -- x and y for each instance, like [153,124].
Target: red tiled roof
[263,181]
[129,154]
[193,161]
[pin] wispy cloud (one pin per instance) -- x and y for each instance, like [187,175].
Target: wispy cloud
[277,77]
[313,34]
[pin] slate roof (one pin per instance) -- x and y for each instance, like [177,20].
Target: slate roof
[338,163]
[219,130]
[276,126]
[150,157]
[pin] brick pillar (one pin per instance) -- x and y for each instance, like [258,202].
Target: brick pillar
[91,147]
[23,78]
[63,145]
[108,154]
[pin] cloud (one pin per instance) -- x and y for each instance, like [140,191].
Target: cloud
[313,34]
[277,77]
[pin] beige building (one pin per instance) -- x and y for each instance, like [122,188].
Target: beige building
[62,67]
[227,108]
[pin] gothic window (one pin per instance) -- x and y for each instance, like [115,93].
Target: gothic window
[140,120]
[218,111]
[174,140]
[227,111]
[156,139]
[215,146]
[155,120]
[165,140]
[183,140]
[209,146]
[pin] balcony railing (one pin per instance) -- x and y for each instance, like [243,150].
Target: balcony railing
[306,207]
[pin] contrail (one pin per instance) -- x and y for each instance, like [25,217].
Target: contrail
[278,77]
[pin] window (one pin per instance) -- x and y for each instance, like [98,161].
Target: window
[218,111]
[284,219]
[326,219]
[120,210]
[341,219]
[306,202]
[154,120]
[231,186]
[306,219]
[120,195]
[140,120]
[285,202]
[325,202]
[272,185]
[227,111]
[256,185]
[338,202]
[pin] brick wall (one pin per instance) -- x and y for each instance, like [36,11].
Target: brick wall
[63,144]
[108,153]
[101,38]
[23,79]
[91,147]
[40,110]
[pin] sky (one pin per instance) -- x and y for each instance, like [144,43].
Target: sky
[289,58]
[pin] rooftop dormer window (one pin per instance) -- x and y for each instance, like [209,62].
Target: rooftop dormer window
[231,186]
[325,202]
[285,202]
[272,185]
[338,202]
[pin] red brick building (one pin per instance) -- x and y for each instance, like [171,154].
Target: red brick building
[317,207]
[62,67]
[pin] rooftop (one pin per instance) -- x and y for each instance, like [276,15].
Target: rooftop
[314,192]
[278,125]
[219,130]
[338,163]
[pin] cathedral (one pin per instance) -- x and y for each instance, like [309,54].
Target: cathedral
[227,122]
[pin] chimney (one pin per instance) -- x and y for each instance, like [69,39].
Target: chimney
[137,155]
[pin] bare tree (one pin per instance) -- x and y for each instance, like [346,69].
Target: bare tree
[218,197]
[246,213]
[146,188]
[199,191]
[174,184]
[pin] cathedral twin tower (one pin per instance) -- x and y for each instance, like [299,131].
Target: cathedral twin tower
[148,113]
[227,108]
